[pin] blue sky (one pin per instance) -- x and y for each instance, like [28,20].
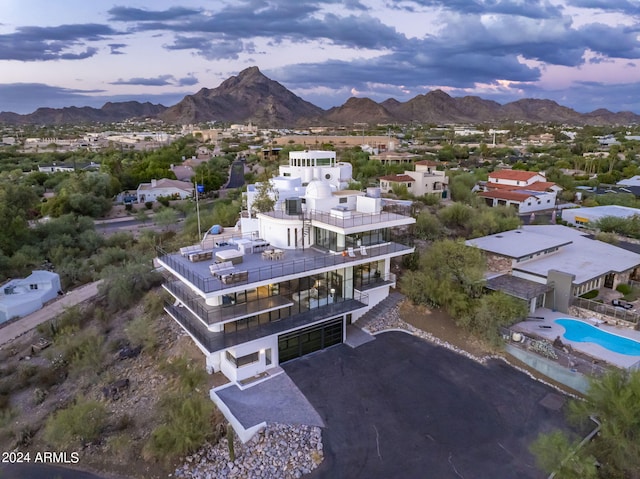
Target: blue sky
[581,53]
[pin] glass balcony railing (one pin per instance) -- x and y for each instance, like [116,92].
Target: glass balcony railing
[306,263]
[354,219]
[216,341]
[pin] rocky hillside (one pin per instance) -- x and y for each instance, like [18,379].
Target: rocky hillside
[252,97]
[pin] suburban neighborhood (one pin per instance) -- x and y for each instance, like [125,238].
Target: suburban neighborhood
[226,299]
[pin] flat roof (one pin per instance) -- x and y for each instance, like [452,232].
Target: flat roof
[585,258]
[597,212]
[517,243]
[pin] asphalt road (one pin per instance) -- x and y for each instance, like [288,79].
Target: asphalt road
[49,311]
[399,407]
[236,175]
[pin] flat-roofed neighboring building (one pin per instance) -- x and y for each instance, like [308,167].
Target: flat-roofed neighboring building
[20,297]
[588,217]
[562,258]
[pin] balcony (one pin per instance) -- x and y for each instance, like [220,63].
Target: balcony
[294,262]
[355,219]
[365,284]
[213,342]
[215,314]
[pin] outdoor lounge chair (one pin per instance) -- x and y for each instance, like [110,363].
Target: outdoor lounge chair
[351,253]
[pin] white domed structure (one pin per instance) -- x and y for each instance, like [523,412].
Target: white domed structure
[318,190]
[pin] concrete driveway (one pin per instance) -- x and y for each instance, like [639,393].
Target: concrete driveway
[402,407]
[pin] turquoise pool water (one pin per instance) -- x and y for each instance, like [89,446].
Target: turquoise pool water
[585,333]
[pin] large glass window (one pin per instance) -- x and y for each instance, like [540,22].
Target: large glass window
[369,238]
[326,239]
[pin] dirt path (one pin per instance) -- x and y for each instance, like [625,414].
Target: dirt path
[50,311]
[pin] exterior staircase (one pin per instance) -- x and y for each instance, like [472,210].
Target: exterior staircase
[383,307]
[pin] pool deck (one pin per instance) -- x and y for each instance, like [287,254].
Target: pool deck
[546,328]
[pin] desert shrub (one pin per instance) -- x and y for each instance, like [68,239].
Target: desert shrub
[428,226]
[84,352]
[148,204]
[143,331]
[80,423]
[24,375]
[186,426]
[39,395]
[49,376]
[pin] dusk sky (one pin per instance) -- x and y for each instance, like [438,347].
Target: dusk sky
[584,54]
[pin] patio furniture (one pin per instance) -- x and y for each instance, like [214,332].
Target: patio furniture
[363,250]
[351,253]
[217,268]
[232,255]
[268,254]
[200,256]
[277,254]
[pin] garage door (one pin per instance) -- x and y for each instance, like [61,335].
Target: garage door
[304,341]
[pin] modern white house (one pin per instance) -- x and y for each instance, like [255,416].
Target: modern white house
[290,280]
[548,265]
[425,180]
[164,188]
[19,297]
[526,191]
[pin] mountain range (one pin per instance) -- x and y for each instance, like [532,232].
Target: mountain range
[252,97]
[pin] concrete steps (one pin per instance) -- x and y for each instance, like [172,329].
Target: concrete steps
[381,308]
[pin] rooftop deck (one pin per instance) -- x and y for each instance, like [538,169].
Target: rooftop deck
[259,269]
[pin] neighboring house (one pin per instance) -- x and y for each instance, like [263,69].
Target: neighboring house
[166,188]
[425,180]
[292,280]
[19,297]
[633,181]
[56,168]
[526,191]
[547,265]
[394,157]
[587,217]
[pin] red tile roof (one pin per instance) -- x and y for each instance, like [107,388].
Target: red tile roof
[541,185]
[518,175]
[505,195]
[397,178]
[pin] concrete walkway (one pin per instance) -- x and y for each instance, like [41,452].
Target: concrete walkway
[27,323]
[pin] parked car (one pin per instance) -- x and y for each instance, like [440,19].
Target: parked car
[618,303]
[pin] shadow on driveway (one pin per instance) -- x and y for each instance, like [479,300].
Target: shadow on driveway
[402,407]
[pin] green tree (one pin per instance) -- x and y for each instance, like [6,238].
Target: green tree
[614,400]
[492,311]
[450,275]
[265,198]
[123,285]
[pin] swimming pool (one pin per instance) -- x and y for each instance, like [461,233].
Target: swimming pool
[585,333]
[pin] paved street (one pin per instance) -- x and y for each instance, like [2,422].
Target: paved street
[402,407]
[50,311]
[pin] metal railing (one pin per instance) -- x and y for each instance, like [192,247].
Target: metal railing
[275,269]
[216,341]
[355,219]
[373,282]
[606,309]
